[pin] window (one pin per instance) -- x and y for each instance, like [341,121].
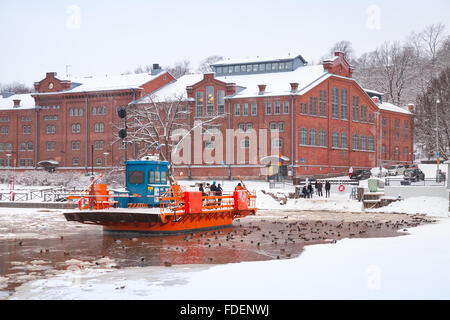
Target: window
[23,146]
[98,145]
[220,102]
[255,68]
[76,145]
[315,106]
[8,147]
[268,108]
[281,126]
[199,104]
[397,123]
[29,162]
[405,151]
[335,139]
[26,129]
[277,108]
[335,103]
[274,66]
[51,146]
[242,127]
[76,128]
[30,146]
[311,106]
[322,138]
[321,103]
[383,149]
[344,104]
[363,142]
[245,143]
[245,109]
[136,177]
[4,130]
[285,107]
[371,143]
[243,68]
[355,115]
[273,126]
[236,68]
[249,127]
[343,140]
[406,124]
[303,136]
[50,129]
[277,143]
[312,137]
[163,177]
[1,147]
[355,142]
[254,108]
[237,109]
[219,69]
[22,162]
[99,127]
[262,67]
[99,161]
[384,122]
[209,100]
[210,145]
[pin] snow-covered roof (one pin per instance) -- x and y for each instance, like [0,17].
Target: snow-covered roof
[277,83]
[26,102]
[373,91]
[174,89]
[391,107]
[107,82]
[257,60]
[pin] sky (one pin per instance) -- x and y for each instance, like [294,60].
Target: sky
[111,37]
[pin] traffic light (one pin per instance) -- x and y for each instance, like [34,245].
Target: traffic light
[122,113]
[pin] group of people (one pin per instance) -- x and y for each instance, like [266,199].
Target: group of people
[308,189]
[213,189]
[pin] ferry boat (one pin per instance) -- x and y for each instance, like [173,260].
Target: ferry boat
[155,202]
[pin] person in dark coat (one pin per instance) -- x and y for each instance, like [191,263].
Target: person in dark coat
[327,189]
[219,193]
[316,186]
[305,192]
[310,190]
[319,189]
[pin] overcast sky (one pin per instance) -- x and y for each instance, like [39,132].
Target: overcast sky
[111,37]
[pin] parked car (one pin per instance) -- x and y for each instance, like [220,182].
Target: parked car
[413,175]
[360,174]
[396,170]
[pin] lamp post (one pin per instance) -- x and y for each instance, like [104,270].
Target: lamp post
[437,142]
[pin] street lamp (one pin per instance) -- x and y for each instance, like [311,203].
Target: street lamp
[437,142]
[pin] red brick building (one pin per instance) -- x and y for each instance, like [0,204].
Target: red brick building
[66,119]
[326,123]
[322,120]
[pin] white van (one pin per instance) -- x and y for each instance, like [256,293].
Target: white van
[396,170]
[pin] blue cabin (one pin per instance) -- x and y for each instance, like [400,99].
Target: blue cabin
[146,178]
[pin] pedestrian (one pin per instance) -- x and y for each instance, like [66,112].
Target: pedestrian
[239,187]
[319,189]
[219,193]
[213,189]
[305,192]
[310,190]
[316,185]
[327,189]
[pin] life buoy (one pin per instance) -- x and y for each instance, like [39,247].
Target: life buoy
[341,188]
[83,203]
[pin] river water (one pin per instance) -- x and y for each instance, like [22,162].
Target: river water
[37,243]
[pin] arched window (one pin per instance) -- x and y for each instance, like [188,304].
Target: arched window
[322,138]
[371,143]
[80,112]
[94,111]
[303,136]
[8,146]
[2,148]
[313,137]
[23,146]
[335,139]
[75,112]
[30,146]
[343,140]
[355,142]
[363,142]
[71,112]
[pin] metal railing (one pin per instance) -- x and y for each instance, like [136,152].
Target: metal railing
[404,182]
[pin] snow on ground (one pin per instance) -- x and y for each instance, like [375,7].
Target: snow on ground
[409,267]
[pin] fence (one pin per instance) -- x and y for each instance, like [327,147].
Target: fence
[425,182]
[55,194]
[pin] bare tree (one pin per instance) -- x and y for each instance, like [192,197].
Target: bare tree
[179,69]
[15,87]
[155,122]
[205,64]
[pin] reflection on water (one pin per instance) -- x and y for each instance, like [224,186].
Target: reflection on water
[248,240]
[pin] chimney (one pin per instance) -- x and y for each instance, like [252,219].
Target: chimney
[376,99]
[294,86]
[339,54]
[262,88]
[231,89]
[411,107]
[16,103]
[156,69]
